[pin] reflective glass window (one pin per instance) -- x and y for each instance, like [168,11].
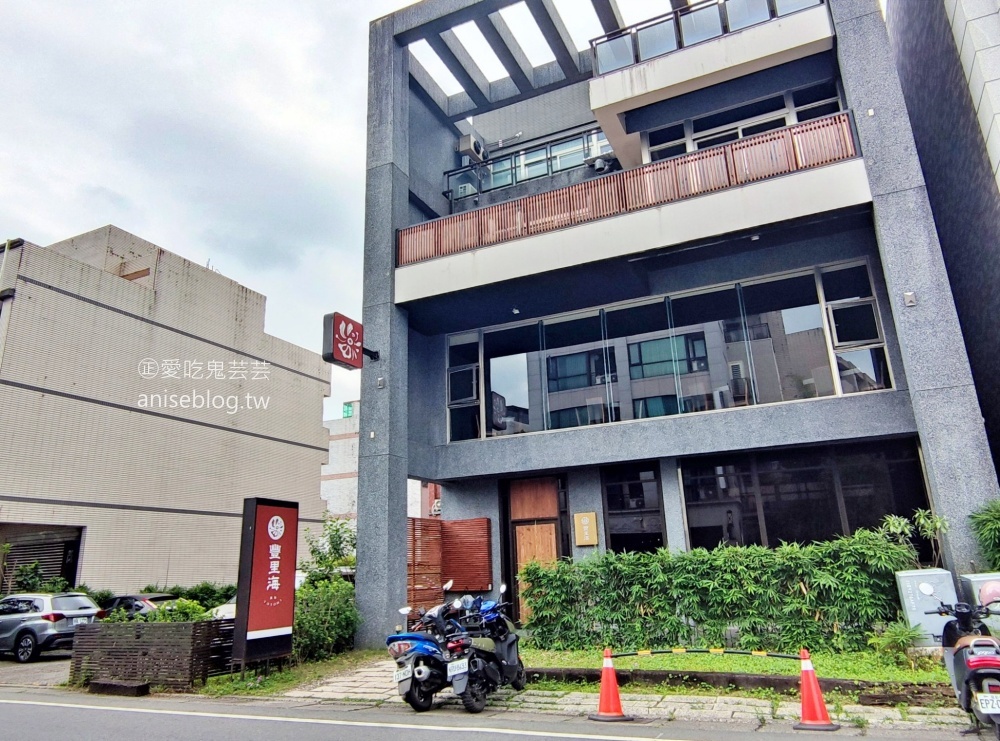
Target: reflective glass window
[701,25]
[632,503]
[743,13]
[614,54]
[567,154]
[657,39]
[512,361]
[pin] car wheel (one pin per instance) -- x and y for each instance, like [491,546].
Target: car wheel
[26,649]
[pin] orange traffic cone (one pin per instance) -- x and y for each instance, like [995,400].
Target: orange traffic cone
[609,707]
[814,714]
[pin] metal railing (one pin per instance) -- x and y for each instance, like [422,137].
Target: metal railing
[685,27]
[814,143]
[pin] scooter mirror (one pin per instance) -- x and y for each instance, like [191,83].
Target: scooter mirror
[503,589]
[405,610]
[447,585]
[926,589]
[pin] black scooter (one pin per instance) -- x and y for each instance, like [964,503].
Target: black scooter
[971,654]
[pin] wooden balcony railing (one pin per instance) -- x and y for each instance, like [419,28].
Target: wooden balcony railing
[799,147]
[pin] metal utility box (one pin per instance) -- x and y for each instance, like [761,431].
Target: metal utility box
[970,584]
[915,603]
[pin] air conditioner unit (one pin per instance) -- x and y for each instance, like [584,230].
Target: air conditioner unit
[473,148]
[465,190]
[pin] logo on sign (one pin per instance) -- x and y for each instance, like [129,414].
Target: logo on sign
[276,528]
[343,341]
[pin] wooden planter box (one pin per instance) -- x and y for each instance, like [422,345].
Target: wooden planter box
[175,656]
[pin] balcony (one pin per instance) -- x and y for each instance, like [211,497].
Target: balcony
[804,146]
[695,24]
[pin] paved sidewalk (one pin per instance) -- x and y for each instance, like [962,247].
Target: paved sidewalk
[372,685]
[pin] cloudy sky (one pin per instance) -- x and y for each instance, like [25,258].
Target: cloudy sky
[225,131]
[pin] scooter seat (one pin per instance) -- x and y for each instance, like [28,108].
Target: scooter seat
[984,641]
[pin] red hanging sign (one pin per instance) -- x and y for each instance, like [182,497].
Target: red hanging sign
[343,341]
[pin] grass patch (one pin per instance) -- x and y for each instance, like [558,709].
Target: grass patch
[864,665]
[292,677]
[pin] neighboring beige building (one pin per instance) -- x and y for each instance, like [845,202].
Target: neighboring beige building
[140,403]
[339,481]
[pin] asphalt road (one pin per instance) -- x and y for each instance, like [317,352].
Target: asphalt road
[43,715]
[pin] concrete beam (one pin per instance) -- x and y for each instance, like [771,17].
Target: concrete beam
[608,14]
[556,36]
[464,76]
[508,51]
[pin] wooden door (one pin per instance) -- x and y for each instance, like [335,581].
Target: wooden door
[534,515]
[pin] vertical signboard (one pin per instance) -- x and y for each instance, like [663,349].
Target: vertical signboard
[265,592]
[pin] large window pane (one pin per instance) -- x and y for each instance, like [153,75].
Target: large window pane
[863,370]
[533,164]
[785,340]
[798,497]
[578,372]
[513,381]
[632,501]
[790,6]
[721,506]
[567,154]
[710,373]
[463,387]
[855,324]
[847,283]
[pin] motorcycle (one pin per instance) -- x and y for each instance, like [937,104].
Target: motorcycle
[494,659]
[434,654]
[971,654]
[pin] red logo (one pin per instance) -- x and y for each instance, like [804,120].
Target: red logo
[343,341]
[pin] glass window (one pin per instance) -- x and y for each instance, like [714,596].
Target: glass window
[464,423]
[533,164]
[854,324]
[800,495]
[567,154]
[463,387]
[632,503]
[73,602]
[790,6]
[512,361]
[863,370]
[498,174]
[463,384]
[596,413]
[597,144]
[654,406]
[786,351]
[847,283]
[668,356]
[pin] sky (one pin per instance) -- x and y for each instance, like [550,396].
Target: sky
[229,132]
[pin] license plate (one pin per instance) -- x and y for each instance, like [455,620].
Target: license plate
[988,703]
[81,620]
[400,674]
[458,667]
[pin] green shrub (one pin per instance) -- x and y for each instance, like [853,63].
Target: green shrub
[181,611]
[893,641]
[206,593]
[825,595]
[986,526]
[28,577]
[100,596]
[331,550]
[325,619]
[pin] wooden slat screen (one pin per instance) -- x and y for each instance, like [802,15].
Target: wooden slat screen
[423,563]
[467,554]
[773,153]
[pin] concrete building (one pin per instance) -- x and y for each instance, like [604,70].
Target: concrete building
[339,479]
[141,402]
[684,278]
[948,56]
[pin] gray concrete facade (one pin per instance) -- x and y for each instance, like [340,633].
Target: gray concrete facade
[404,424]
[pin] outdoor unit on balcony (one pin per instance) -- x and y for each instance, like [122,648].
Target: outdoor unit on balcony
[465,190]
[473,147]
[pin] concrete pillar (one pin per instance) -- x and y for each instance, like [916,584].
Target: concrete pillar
[585,495]
[382,449]
[957,461]
[673,505]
